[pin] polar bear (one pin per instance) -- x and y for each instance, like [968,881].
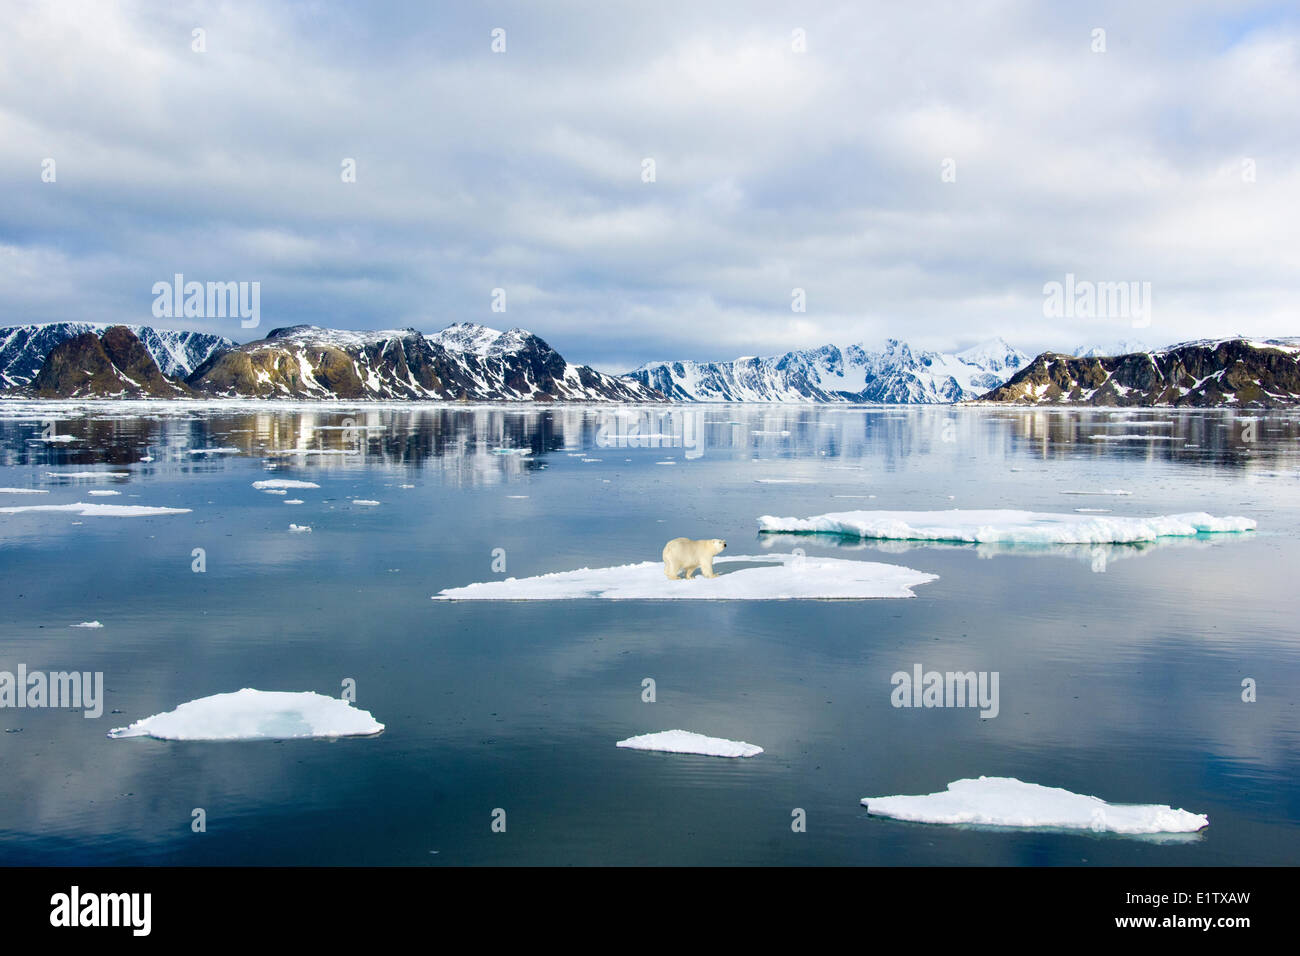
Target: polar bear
[683,554]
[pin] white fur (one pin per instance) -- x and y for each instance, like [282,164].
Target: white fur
[684,554]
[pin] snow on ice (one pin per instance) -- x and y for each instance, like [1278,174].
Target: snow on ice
[783,577]
[1008,802]
[256,715]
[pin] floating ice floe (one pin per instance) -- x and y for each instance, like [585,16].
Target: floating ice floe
[293,501]
[783,577]
[364,501]
[103,492]
[256,715]
[685,742]
[1024,527]
[24,491]
[1103,491]
[89,509]
[300,529]
[88,474]
[91,624]
[1008,802]
[274,491]
[283,483]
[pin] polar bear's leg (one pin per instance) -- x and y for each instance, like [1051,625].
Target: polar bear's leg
[671,571]
[690,569]
[707,565]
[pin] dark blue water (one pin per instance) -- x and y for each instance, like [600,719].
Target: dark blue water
[1120,668]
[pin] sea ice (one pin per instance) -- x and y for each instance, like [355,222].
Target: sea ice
[24,491]
[1023,527]
[88,509]
[784,577]
[685,742]
[92,624]
[1008,802]
[300,529]
[256,715]
[103,492]
[88,474]
[283,483]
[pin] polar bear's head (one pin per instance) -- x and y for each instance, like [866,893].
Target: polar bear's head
[716,545]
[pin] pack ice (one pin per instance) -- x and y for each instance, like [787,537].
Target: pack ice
[1008,802]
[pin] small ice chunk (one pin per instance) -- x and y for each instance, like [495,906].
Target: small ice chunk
[95,624]
[300,529]
[274,491]
[283,483]
[1008,802]
[364,501]
[103,492]
[293,501]
[24,491]
[256,715]
[685,742]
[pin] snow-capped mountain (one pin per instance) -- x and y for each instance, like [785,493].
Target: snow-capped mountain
[1209,372]
[113,365]
[1120,347]
[893,374]
[23,348]
[464,362]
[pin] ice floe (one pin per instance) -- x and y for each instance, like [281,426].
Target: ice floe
[685,742]
[283,483]
[782,577]
[365,501]
[89,509]
[1025,527]
[300,529]
[256,715]
[90,475]
[90,624]
[103,493]
[24,491]
[1008,802]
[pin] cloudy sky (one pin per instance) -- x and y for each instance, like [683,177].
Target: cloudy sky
[1169,157]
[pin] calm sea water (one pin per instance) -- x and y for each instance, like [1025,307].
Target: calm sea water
[1120,668]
